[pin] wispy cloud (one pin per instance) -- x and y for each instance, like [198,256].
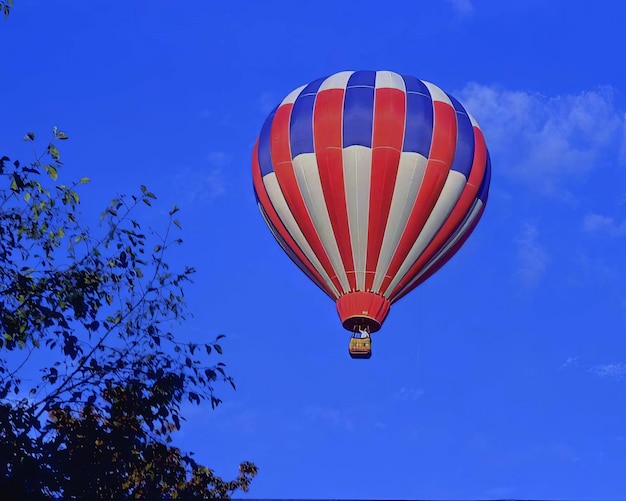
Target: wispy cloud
[569,363]
[218,159]
[610,371]
[329,416]
[616,371]
[596,270]
[532,256]
[547,142]
[463,7]
[202,184]
[622,149]
[232,415]
[407,394]
[596,223]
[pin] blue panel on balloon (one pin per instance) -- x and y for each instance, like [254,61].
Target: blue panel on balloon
[265,151]
[301,125]
[484,186]
[464,153]
[358,109]
[418,133]
[415,85]
[362,79]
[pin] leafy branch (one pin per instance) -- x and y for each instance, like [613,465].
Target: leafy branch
[102,303]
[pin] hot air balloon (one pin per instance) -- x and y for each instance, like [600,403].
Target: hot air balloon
[370,181]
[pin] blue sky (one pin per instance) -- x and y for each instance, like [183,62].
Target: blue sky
[504,374]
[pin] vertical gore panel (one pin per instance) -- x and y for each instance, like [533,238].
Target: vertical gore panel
[327,126]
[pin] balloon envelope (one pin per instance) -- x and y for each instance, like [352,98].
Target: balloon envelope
[370,181]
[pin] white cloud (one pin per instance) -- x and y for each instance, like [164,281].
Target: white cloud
[622,148]
[329,416]
[616,371]
[596,223]
[348,419]
[570,362]
[532,256]
[462,6]
[408,394]
[547,142]
[595,269]
[218,159]
[206,187]
[610,371]
[202,184]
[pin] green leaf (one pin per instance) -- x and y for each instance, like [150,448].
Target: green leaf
[54,153]
[83,180]
[30,136]
[52,172]
[26,197]
[177,223]
[218,348]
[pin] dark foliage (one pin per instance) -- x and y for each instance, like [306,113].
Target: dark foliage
[5,7]
[95,418]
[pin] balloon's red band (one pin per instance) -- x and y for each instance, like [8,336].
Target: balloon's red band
[362,309]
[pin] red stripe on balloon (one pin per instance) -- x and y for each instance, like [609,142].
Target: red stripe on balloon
[447,256]
[437,169]
[278,225]
[388,136]
[286,176]
[458,214]
[327,136]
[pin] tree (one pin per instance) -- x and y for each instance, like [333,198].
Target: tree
[5,7]
[93,308]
